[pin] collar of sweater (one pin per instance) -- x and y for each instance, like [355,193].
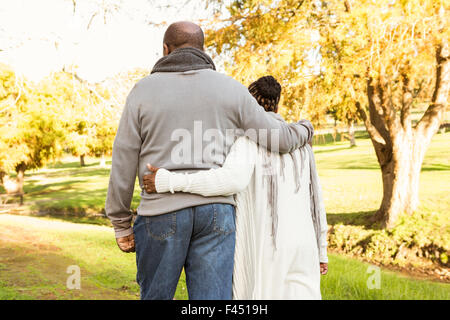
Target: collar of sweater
[184,59]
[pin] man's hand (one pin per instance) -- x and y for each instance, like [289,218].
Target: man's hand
[126,244]
[323,268]
[149,179]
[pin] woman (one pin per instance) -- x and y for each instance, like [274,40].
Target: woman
[280,218]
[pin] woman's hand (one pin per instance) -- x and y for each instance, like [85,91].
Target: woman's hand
[323,268]
[149,179]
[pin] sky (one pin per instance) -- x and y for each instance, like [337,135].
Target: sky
[38,37]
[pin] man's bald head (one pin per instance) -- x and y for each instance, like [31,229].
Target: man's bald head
[183,34]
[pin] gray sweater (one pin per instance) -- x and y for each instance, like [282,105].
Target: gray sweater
[169,114]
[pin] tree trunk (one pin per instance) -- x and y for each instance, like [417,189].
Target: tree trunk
[20,169]
[399,147]
[400,178]
[335,132]
[82,161]
[102,161]
[351,134]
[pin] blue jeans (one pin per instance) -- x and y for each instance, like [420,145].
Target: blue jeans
[201,239]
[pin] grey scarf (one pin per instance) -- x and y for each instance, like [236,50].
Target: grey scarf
[315,195]
[271,179]
[184,59]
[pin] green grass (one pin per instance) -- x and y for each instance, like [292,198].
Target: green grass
[351,180]
[35,267]
[348,278]
[35,254]
[75,189]
[66,191]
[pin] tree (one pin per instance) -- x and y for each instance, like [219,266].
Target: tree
[379,58]
[11,95]
[61,111]
[81,111]
[95,112]
[31,130]
[73,102]
[400,50]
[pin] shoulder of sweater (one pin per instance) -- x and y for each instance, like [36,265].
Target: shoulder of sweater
[138,87]
[147,79]
[215,75]
[152,79]
[275,115]
[222,78]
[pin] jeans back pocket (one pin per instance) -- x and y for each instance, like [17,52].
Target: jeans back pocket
[162,226]
[224,218]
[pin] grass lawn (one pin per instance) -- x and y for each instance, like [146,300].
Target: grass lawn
[351,179]
[35,252]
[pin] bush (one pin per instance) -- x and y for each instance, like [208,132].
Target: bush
[418,241]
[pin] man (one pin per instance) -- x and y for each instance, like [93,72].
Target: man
[183,103]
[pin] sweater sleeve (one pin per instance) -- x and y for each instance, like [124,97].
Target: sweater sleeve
[232,177]
[125,159]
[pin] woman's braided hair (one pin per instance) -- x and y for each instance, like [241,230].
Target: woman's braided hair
[267,92]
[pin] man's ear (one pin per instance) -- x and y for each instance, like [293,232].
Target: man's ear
[165,50]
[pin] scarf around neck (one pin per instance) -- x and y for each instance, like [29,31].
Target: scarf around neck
[184,59]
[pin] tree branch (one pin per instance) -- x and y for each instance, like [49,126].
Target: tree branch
[90,20]
[381,90]
[373,132]
[430,121]
[376,112]
[407,99]
[383,147]
[293,12]
[348,6]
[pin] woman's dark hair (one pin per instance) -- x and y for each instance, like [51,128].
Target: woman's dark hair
[267,92]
